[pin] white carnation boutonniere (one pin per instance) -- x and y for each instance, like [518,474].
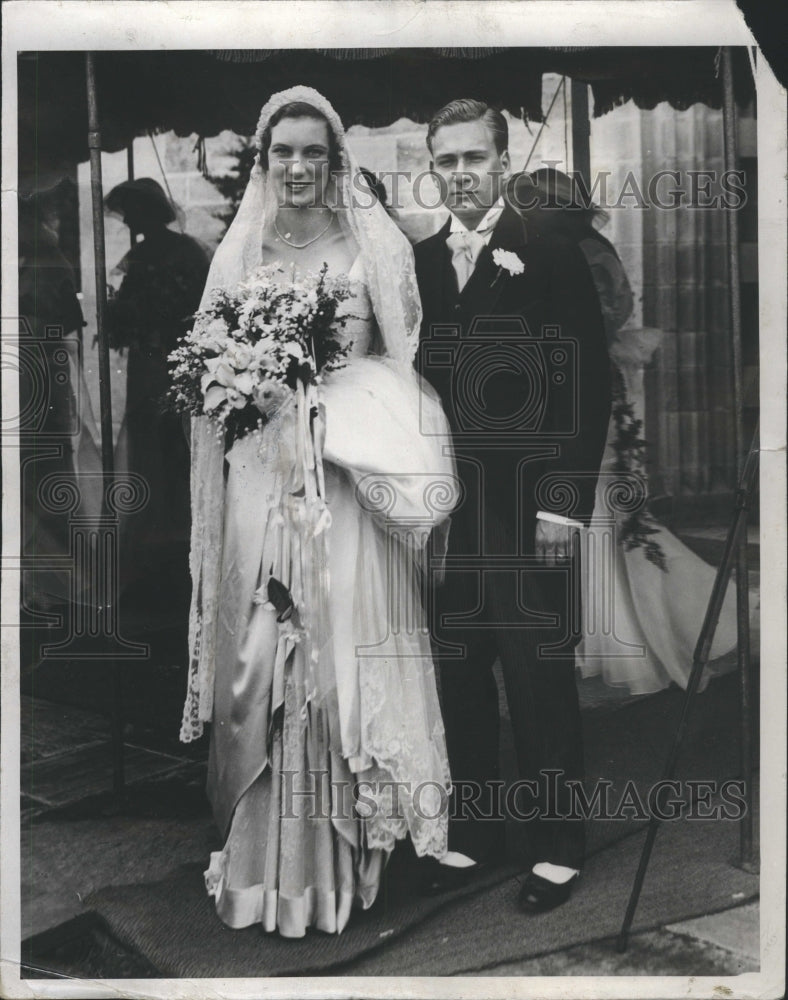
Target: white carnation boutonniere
[507,261]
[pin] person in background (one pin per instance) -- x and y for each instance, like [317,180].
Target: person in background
[162,280]
[553,194]
[658,587]
[377,187]
[51,324]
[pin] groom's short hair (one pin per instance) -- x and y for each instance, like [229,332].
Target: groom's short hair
[467,110]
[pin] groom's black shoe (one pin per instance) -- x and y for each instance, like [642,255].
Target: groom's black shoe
[538,895]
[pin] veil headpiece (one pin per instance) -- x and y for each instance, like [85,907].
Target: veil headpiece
[301,95]
[390,278]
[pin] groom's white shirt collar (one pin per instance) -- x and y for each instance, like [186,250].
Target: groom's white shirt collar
[487,224]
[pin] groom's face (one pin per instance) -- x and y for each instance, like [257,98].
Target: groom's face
[470,168]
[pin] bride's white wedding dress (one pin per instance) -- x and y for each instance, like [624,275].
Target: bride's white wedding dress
[300,719]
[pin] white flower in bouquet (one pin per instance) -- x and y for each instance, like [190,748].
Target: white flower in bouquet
[222,372]
[236,398]
[249,314]
[215,396]
[295,350]
[261,323]
[213,336]
[265,355]
[239,355]
[306,305]
[262,282]
[245,383]
[217,330]
[268,395]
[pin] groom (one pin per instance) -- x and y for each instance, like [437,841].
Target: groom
[513,342]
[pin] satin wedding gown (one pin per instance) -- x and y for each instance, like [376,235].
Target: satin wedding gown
[293,733]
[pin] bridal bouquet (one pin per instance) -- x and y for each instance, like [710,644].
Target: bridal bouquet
[253,347]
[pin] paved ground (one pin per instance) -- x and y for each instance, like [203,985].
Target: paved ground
[724,944]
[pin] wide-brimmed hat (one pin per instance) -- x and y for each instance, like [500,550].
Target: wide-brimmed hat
[143,195]
[548,188]
[560,188]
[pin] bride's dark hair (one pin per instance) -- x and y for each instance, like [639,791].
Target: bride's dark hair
[300,109]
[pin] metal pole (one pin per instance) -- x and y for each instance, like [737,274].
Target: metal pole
[746,855]
[105,395]
[581,133]
[130,172]
[532,150]
[699,661]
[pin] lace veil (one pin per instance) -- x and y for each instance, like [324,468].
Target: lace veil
[391,281]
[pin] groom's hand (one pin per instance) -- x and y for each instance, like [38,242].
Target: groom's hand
[553,542]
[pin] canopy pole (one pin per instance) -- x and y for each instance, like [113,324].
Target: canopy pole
[130,173]
[746,855]
[700,658]
[581,133]
[105,396]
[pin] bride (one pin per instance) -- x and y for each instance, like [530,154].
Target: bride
[327,744]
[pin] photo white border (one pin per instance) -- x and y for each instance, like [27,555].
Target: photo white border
[196,24]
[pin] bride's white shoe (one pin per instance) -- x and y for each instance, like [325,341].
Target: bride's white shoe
[454,859]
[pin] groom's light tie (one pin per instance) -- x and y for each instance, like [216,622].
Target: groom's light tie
[465,246]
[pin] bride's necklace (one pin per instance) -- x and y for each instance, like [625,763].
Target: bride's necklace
[300,246]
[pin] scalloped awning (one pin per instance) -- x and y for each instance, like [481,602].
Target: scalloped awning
[204,92]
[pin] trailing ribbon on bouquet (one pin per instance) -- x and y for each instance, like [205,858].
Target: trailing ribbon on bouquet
[297,587]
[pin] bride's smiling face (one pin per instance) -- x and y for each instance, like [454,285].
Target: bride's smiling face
[298,161]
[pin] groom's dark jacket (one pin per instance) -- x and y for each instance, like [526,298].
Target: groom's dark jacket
[520,363]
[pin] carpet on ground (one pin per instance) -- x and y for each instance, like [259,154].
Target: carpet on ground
[173,926]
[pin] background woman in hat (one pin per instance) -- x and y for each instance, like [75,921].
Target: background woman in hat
[658,588]
[162,280]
